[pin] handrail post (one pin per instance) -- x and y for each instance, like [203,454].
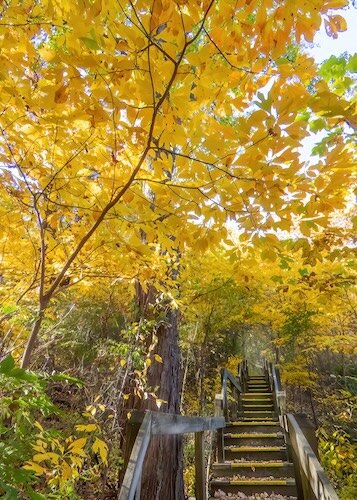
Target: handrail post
[132,478]
[224,393]
[138,488]
[312,482]
[132,432]
[200,467]
[218,412]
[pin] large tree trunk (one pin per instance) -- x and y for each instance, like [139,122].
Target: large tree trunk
[162,477]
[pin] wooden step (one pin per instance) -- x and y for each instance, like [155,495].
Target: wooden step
[252,421]
[252,398]
[256,419]
[251,486]
[254,426]
[255,453]
[254,434]
[258,413]
[257,405]
[264,426]
[254,439]
[254,469]
[250,395]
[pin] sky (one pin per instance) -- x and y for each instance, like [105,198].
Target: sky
[326,46]
[323,47]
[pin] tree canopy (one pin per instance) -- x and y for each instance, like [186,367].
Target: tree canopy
[190,149]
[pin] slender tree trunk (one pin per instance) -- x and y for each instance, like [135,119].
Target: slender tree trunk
[33,336]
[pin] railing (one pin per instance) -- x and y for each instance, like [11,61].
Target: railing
[243,373]
[236,386]
[144,425]
[222,406]
[311,480]
[275,383]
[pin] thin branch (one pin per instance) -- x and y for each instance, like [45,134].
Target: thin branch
[209,164]
[227,60]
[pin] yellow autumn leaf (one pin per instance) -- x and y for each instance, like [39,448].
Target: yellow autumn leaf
[38,425]
[339,22]
[47,54]
[86,427]
[101,447]
[61,94]
[76,460]
[66,471]
[32,466]
[78,443]
[269,254]
[41,457]
[79,451]
[158,358]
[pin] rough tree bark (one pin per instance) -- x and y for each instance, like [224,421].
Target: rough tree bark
[162,477]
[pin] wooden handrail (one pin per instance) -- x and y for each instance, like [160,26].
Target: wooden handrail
[311,479]
[312,475]
[155,423]
[132,475]
[227,376]
[170,423]
[279,393]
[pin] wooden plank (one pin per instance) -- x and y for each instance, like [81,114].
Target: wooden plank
[226,376]
[132,432]
[218,412]
[279,393]
[177,424]
[133,472]
[224,393]
[220,446]
[234,381]
[200,483]
[314,475]
[218,405]
[168,423]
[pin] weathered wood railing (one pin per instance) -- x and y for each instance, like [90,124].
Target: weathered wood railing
[236,386]
[275,384]
[155,423]
[311,480]
[222,405]
[243,373]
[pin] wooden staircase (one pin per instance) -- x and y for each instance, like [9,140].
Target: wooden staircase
[253,450]
[255,457]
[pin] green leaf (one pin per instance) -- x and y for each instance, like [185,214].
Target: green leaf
[317,125]
[8,308]
[34,495]
[352,64]
[7,364]
[10,492]
[21,374]
[67,378]
[90,43]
